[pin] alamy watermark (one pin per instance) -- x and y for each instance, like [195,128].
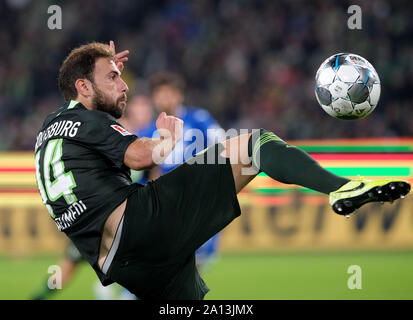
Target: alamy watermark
[235,144]
[55,280]
[55,20]
[355,20]
[354,281]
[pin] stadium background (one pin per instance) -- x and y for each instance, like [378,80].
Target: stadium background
[251,64]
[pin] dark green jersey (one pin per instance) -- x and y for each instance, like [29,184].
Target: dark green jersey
[80,172]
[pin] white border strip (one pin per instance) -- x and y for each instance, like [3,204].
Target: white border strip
[113,248]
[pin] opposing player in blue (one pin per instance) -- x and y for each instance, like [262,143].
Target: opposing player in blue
[200,131]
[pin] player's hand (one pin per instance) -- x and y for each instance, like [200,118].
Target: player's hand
[120,57]
[169,127]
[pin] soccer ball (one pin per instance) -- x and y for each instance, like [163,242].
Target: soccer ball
[347,86]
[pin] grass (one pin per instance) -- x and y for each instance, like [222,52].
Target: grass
[385,275]
[311,276]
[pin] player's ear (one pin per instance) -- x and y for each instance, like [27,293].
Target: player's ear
[84,87]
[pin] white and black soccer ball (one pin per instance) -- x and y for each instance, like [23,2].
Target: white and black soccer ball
[347,86]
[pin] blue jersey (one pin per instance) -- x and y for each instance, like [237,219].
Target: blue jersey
[200,131]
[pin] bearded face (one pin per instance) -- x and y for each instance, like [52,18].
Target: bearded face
[105,103]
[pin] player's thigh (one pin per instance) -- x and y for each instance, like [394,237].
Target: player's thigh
[197,199]
[236,149]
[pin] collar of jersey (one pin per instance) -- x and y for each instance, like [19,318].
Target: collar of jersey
[74,103]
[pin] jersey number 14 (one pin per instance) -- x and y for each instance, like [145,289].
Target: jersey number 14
[63,183]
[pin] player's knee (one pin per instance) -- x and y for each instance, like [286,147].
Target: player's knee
[258,139]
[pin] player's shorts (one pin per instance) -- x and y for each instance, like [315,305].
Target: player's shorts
[166,221]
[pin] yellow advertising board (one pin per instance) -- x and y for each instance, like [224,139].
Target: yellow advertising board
[300,222]
[275,216]
[26,227]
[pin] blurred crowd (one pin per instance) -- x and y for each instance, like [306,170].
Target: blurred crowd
[250,63]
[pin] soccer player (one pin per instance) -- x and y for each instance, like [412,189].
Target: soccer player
[144,237]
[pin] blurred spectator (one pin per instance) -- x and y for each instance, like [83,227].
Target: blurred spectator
[251,63]
[138,113]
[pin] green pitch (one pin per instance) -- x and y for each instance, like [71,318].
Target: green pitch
[385,275]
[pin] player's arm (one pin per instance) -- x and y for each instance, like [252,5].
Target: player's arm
[145,153]
[140,153]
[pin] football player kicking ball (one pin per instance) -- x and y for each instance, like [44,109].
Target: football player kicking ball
[144,237]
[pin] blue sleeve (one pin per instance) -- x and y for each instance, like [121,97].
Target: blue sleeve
[146,131]
[210,128]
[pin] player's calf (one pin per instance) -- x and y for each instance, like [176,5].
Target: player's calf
[289,164]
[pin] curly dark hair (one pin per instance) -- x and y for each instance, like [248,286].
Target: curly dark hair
[80,64]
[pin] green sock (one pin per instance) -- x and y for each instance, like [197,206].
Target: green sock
[289,164]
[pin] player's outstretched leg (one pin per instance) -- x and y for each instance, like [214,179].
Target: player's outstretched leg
[289,164]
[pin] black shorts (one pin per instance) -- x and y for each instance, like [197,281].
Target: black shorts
[167,220]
